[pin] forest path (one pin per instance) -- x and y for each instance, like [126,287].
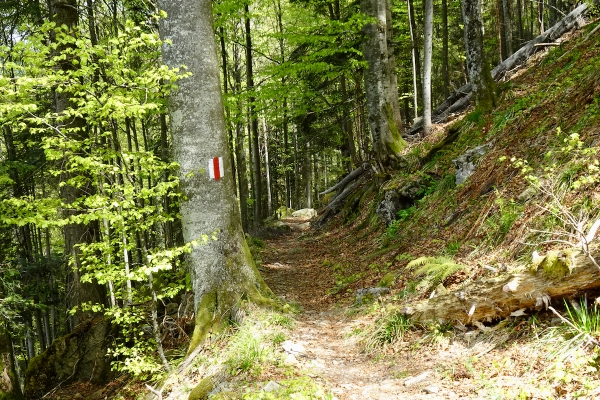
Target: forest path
[324,344]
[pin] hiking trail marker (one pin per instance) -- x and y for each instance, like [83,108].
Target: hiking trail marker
[215,168]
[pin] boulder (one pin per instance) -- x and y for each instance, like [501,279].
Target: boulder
[388,209]
[306,213]
[468,161]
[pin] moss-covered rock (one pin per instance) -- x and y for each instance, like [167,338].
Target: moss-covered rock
[80,355]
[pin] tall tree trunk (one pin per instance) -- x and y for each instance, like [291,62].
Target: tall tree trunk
[480,76]
[541,16]
[381,83]
[416,58]
[240,147]
[507,24]
[222,269]
[427,55]
[256,167]
[65,13]
[520,23]
[445,61]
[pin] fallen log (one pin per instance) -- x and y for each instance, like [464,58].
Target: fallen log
[458,100]
[337,203]
[348,178]
[559,274]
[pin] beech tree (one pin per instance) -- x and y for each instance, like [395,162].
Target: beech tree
[480,75]
[381,84]
[222,269]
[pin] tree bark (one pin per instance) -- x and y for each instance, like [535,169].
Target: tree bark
[445,61]
[558,274]
[381,83]
[427,55]
[64,12]
[480,76]
[222,268]
[257,176]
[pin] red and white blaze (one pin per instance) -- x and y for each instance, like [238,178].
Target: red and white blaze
[215,168]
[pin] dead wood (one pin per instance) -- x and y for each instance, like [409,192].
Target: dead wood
[460,99]
[348,178]
[559,274]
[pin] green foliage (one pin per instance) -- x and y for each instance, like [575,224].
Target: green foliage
[396,226]
[343,277]
[500,223]
[437,269]
[129,192]
[247,353]
[389,329]
[581,330]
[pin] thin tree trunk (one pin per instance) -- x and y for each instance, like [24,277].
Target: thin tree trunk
[416,59]
[507,23]
[445,61]
[427,55]
[256,167]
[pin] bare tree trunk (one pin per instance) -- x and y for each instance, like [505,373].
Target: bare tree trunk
[381,83]
[445,61]
[222,269]
[480,76]
[427,55]
[559,274]
[256,167]
[507,23]
[416,59]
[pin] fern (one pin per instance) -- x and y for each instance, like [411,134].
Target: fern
[437,268]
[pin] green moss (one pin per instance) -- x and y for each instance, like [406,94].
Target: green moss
[388,280]
[555,265]
[200,392]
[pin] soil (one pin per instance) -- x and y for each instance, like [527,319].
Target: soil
[502,361]
[298,268]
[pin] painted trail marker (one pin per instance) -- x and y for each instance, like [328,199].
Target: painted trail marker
[215,168]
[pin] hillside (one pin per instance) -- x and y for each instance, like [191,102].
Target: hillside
[538,167]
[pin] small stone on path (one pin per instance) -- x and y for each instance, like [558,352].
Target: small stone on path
[431,389]
[272,387]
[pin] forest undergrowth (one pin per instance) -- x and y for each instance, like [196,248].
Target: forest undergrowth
[534,190]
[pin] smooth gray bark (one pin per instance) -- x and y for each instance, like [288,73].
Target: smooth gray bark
[222,269]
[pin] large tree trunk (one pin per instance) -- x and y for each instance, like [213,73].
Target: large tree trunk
[381,83]
[222,268]
[480,77]
[65,13]
[558,274]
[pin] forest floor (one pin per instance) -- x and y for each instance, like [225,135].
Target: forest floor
[331,332]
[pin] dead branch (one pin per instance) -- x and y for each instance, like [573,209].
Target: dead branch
[348,178]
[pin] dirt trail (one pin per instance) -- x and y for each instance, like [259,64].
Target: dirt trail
[323,342]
